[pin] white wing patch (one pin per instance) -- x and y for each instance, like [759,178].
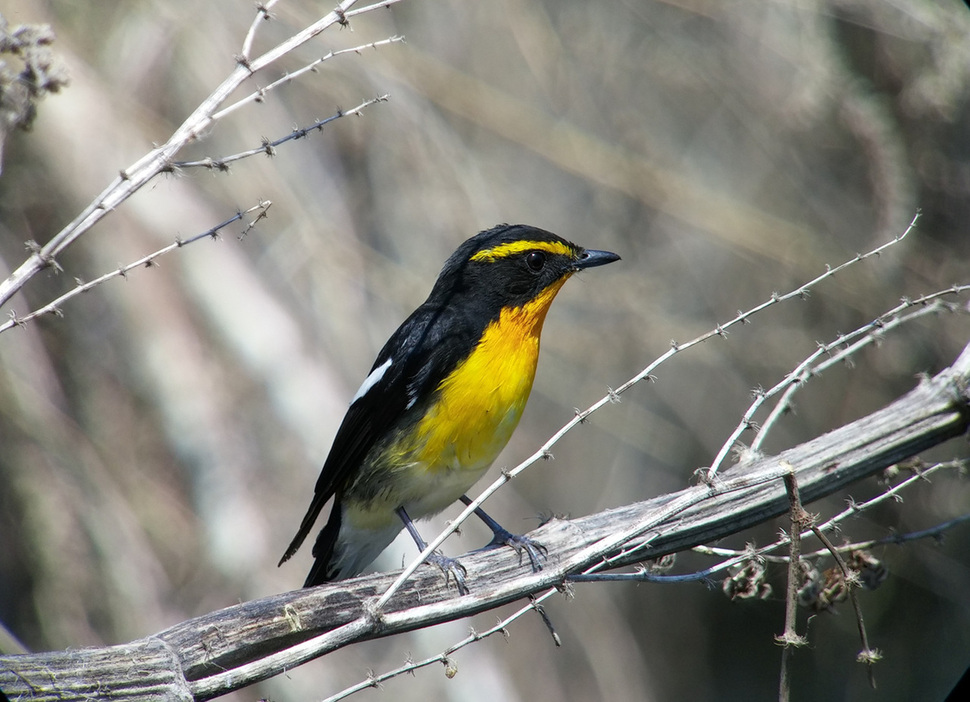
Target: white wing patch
[371,380]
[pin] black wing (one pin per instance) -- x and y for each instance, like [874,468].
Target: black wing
[421,354]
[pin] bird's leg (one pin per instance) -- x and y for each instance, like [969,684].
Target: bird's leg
[450,566]
[503,537]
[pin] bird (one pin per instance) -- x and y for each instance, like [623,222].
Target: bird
[440,402]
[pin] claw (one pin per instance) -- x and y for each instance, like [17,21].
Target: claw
[536,551]
[451,568]
[502,537]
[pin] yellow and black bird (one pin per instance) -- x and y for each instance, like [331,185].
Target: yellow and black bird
[444,396]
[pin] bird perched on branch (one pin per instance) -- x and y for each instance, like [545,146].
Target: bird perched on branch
[441,401]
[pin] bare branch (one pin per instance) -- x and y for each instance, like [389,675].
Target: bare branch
[827,355]
[221,163]
[735,556]
[867,655]
[54,307]
[790,639]
[159,160]
[260,95]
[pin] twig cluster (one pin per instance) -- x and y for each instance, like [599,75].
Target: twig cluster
[827,355]
[195,127]
[746,574]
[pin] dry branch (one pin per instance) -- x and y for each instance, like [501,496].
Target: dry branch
[161,159]
[229,649]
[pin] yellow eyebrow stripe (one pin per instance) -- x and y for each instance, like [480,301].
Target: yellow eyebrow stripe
[516,247]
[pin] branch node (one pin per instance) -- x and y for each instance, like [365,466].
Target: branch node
[244,62]
[703,476]
[373,680]
[374,615]
[341,17]
[791,640]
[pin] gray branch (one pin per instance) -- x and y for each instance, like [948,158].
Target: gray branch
[234,647]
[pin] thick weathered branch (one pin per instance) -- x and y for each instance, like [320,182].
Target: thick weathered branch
[225,650]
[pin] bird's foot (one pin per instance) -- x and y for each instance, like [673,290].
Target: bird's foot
[522,544]
[451,568]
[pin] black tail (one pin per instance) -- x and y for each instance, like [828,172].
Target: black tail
[323,549]
[305,526]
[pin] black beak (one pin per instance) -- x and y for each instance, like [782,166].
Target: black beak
[591,258]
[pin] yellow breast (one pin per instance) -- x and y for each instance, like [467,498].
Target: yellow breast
[481,401]
[478,407]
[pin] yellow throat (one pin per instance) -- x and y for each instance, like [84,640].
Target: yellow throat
[480,403]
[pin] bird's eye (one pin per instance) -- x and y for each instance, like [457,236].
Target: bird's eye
[536,260]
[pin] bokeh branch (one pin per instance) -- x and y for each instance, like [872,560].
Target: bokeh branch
[221,163]
[54,306]
[161,159]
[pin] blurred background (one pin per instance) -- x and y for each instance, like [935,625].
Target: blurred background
[159,443]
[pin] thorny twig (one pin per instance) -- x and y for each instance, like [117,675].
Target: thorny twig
[54,307]
[131,179]
[269,147]
[800,519]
